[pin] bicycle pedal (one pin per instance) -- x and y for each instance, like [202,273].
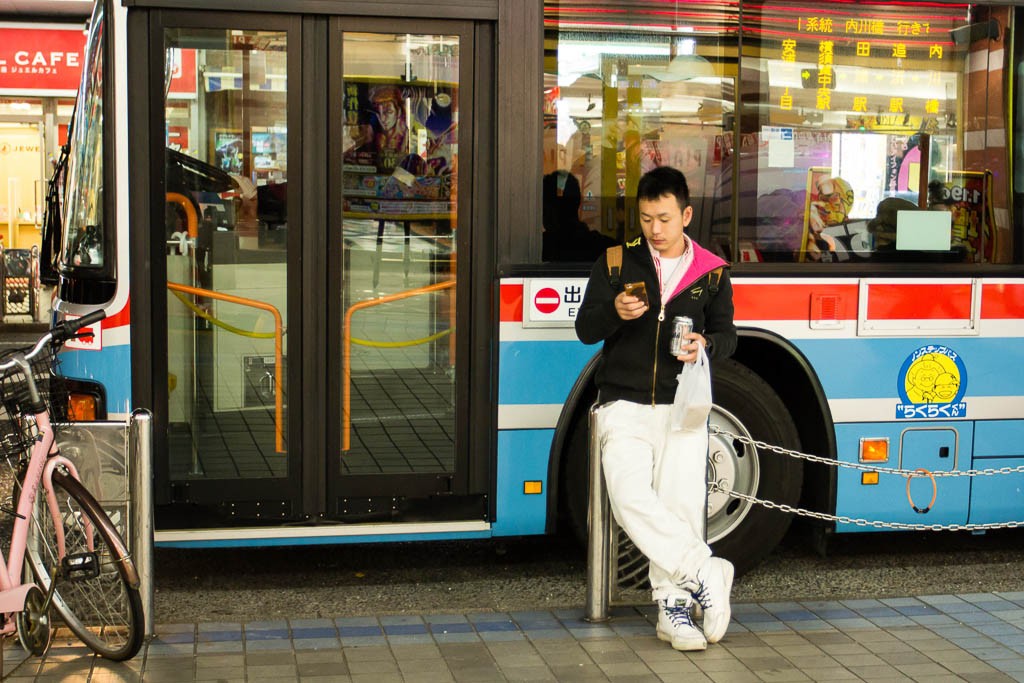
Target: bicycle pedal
[81,566]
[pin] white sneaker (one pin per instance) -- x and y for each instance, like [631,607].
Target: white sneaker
[715,578]
[675,625]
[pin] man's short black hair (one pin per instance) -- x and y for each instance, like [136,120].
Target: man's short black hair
[662,181]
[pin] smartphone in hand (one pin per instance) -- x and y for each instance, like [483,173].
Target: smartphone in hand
[637,289]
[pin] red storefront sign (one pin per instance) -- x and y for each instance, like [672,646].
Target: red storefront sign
[183,74]
[44,59]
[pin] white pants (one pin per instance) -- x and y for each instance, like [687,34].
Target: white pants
[657,485]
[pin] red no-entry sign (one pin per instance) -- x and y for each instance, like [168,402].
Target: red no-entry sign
[547,300]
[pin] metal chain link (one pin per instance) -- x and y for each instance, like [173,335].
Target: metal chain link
[856,521]
[714,429]
[772,505]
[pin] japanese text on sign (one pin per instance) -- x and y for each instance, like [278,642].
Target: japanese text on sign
[552,303]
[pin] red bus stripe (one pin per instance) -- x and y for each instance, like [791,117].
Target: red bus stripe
[922,301]
[890,301]
[122,317]
[511,303]
[789,302]
[1002,301]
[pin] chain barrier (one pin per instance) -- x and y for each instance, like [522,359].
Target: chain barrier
[747,441]
[856,521]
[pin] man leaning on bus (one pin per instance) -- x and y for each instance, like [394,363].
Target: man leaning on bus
[656,477]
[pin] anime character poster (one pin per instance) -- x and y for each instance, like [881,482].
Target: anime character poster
[402,143]
[827,202]
[968,196]
[227,147]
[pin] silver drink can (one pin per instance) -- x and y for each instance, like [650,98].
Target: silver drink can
[681,325]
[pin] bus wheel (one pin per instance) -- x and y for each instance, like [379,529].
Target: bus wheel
[746,405]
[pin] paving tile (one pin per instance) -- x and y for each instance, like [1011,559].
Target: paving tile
[528,673]
[977,637]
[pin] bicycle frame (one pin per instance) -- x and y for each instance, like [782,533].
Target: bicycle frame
[42,461]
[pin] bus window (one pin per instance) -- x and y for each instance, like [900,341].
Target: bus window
[85,240]
[859,121]
[625,90]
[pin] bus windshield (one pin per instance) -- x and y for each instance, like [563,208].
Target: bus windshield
[83,239]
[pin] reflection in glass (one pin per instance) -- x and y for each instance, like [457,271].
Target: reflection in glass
[879,100]
[856,115]
[400,115]
[637,89]
[226,226]
[83,238]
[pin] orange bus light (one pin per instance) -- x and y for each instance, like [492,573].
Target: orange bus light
[868,478]
[82,408]
[874,450]
[533,487]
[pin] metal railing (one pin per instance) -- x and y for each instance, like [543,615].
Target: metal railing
[346,348]
[599,535]
[278,336]
[141,493]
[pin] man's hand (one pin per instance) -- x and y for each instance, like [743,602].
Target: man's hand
[692,346]
[629,307]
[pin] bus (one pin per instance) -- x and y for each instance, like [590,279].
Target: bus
[319,230]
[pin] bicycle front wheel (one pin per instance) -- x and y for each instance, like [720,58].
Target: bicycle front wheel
[95,595]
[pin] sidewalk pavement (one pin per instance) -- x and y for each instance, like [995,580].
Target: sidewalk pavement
[935,638]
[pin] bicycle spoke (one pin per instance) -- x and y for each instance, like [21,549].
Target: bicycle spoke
[102,610]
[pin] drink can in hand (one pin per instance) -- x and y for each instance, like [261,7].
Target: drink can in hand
[681,326]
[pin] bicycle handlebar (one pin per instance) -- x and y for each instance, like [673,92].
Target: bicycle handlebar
[66,329]
[57,335]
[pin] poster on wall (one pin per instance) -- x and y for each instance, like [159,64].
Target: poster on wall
[968,196]
[402,146]
[227,150]
[827,203]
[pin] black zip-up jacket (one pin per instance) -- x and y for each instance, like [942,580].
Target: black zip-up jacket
[636,364]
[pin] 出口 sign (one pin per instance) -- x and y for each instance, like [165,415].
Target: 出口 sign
[551,302]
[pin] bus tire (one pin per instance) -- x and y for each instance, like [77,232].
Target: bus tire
[744,404]
[576,477]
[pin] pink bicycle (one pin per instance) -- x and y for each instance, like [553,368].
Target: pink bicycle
[79,561]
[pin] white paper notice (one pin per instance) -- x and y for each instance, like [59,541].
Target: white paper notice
[780,146]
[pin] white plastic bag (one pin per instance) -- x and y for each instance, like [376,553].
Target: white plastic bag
[692,403]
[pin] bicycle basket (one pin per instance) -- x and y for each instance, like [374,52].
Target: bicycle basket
[17,433]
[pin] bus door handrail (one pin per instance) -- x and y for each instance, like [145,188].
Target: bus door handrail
[346,345]
[191,216]
[278,347]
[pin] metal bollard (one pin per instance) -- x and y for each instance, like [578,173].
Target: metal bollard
[598,535]
[141,464]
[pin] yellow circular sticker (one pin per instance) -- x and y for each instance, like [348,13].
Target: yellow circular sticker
[933,380]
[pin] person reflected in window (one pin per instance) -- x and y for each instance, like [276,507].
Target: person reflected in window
[566,237]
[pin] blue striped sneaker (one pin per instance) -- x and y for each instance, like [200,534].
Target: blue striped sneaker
[675,625]
[712,594]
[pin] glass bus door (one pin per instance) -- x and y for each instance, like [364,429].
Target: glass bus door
[405,101]
[312,232]
[230,265]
